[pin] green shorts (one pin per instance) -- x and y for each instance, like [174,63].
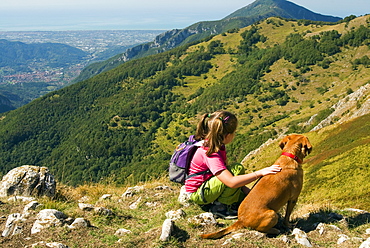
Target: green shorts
[214,189]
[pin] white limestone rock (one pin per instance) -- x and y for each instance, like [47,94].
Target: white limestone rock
[79,223]
[167,229]
[121,232]
[203,219]
[12,225]
[175,215]
[28,180]
[47,218]
[301,237]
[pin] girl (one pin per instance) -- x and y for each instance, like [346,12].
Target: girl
[223,183]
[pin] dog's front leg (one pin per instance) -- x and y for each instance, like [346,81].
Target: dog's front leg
[289,209]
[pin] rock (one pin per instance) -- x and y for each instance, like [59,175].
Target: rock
[106,196]
[301,237]
[151,204]
[368,231]
[121,232]
[132,190]
[163,188]
[238,235]
[11,225]
[21,198]
[320,228]
[347,108]
[365,244]
[235,236]
[357,239]
[342,238]
[183,197]
[103,211]
[258,234]
[30,206]
[135,205]
[50,245]
[167,228]
[335,228]
[48,218]
[79,223]
[228,241]
[85,206]
[203,219]
[175,215]
[28,180]
[84,199]
[285,239]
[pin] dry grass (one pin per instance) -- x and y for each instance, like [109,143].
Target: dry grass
[145,222]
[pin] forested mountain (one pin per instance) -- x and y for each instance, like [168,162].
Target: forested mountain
[278,76]
[28,71]
[21,56]
[5,104]
[258,10]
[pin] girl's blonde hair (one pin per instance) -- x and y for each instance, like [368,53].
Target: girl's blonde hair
[214,127]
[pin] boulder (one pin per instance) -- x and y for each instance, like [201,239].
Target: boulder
[167,229]
[28,180]
[79,223]
[11,225]
[48,218]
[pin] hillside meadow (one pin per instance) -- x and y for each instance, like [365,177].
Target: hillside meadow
[335,184]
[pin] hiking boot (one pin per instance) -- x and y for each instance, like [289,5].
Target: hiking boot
[223,211]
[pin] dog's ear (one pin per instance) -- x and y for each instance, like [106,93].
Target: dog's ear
[283,142]
[306,147]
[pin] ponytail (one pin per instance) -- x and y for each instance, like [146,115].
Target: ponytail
[202,128]
[214,127]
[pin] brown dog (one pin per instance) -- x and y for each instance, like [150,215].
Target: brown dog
[259,208]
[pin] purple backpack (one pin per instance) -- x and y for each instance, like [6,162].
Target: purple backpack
[181,158]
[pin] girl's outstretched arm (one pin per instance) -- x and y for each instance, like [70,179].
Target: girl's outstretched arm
[232,181]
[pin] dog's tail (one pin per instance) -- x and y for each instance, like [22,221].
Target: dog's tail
[236,226]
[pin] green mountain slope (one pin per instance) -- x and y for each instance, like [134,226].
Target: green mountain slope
[122,125]
[258,10]
[20,55]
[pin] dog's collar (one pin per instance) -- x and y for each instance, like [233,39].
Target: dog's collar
[292,156]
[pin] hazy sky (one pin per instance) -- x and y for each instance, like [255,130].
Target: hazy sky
[27,15]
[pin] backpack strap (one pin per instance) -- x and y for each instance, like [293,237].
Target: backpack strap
[197,174]
[198,144]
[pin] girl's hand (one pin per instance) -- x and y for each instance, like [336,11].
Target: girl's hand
[273,169]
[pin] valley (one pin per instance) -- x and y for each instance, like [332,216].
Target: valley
[23,82]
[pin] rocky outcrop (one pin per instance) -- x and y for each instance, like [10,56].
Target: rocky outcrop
[354,105]
[28,180]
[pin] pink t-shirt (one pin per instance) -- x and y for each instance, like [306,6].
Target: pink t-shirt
[201,162]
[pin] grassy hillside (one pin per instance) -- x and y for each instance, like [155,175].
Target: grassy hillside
[122,125]
[336,174]
[336,171]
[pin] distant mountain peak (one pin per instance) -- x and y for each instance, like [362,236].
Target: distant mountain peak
[256,11]
[282,8]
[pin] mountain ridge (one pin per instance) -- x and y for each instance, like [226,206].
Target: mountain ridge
[281,8]
[201,30]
